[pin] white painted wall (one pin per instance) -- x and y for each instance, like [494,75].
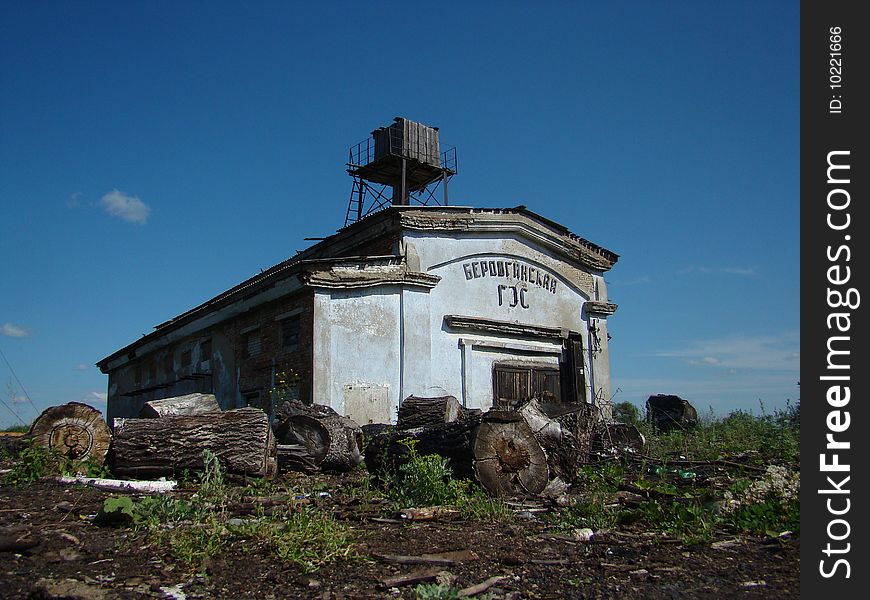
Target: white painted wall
[375,346]
[357,349]
[463,361]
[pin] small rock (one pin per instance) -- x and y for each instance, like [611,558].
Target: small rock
[69,554]
[65,506]
[640,574]
[445,578]
[752,584]
[58,589]
[70,537]
[582,535]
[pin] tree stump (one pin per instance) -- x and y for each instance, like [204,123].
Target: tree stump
[241,439]
[667,412]
[75,430]
[508,460]
[417,412]
[332,440]
[191,404]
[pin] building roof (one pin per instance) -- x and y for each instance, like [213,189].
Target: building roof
[338,248]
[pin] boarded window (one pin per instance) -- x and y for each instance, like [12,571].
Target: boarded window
[168,366]
[186,359]
[514,384]
[253,344]
[152,371]
[290,333]
[137,375]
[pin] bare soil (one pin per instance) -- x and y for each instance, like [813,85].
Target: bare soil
[76,558]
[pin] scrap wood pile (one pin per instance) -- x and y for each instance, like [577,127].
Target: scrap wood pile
[170,435]
[509,452]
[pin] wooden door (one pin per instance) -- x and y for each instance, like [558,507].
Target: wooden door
[514,384]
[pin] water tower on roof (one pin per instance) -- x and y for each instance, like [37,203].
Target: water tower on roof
[405,157]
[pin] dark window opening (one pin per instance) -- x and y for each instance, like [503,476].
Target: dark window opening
[205,350]
[168,366]
[186,359]
[290,333]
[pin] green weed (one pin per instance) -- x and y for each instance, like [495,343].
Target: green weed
[35,462]
[436,591]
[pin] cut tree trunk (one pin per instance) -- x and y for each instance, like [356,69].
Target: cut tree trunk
[417,412]
[295,457]
[75,430]
[241,439]
[386,452]
[508,460]
[564,432]
[332,440]
[191,404]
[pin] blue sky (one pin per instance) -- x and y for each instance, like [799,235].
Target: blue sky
[155,154]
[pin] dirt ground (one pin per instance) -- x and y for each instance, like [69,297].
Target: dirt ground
[75,558]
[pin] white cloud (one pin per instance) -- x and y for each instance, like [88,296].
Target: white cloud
[741,271]
[626,282]
[74,200]
[14,331]
[82,367]
[754,353]
[720,393]
[96,399]
[125,207]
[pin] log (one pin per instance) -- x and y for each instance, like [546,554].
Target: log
[332,440]
[241,439]
[191,404]
[417,412]
[508,460]
[295,457]
[564,432]
[386,452]
[75,430]
[667,412]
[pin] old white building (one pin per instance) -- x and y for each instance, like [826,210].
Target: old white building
[491,306]
[488,305]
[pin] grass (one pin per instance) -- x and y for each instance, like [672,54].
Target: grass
[34,462]
[427,480]
[677,498]
[198,528]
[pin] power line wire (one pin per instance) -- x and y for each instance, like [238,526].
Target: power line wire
[17,416]
[21,385]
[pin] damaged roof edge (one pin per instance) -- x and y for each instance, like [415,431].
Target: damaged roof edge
[347,238]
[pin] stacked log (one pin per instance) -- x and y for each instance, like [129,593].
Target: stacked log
[332,441]
[510,453]
[563,431]
[191,404]
[241,439]
[417,412]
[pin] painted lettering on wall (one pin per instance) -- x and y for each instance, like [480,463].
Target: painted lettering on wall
[513,270]
[512,296]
